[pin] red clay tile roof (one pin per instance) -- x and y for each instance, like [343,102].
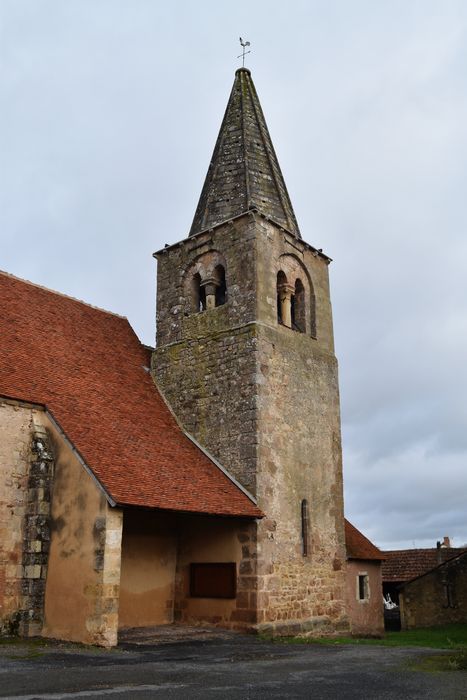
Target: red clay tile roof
[89,369]
[445,564]
[406,564]
[358,546]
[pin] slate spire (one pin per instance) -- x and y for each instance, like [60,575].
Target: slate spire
[244,172]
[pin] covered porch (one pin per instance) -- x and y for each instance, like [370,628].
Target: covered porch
[191,569]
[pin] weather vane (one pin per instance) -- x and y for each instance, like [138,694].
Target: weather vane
[244,44]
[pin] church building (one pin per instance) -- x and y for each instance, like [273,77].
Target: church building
[199,482]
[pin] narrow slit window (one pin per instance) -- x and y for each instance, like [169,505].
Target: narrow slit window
[305,527]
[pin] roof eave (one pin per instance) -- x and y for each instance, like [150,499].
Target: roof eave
[300,241]
[185,511]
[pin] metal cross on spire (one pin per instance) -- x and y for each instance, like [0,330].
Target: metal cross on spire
[244,44]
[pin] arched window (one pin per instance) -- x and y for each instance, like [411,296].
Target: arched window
[221,289]
[295,296]
[198,294]
[281,282]
[204,284]
[298,307]
[305,527]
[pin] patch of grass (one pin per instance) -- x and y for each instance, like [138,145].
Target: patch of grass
[444,637]
[27,647]
[31,654]
[441,663]
[22,641]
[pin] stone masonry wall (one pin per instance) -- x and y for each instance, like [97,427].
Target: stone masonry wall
[15,444]
[299,457]
[299,450]
[219,413]
[205,363]
[264,400]
[59,540]
[26,465]
[175,318]
[427,600]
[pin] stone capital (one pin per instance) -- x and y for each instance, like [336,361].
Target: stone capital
[286,290]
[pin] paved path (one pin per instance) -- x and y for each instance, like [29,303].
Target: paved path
[224,666]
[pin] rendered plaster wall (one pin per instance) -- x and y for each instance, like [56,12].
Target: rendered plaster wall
[82,592]
[15,443]
[59,561]
[149,551]
[424,601]
[264,400]
[366,616]
[219,540]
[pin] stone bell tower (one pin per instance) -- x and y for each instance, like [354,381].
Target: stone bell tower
[245,357]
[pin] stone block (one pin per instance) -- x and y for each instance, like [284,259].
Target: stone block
[32,572]
[243,616]
[243,599]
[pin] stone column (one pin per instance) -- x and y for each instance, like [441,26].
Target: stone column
[111,575]
[285,300]
[210,285]
[102,625]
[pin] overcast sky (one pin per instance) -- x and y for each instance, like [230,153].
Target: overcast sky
[109,110]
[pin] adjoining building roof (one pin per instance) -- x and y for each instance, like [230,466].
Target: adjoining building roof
[90,371]
[358,546]
[406,564]
[244,173]
[447,564]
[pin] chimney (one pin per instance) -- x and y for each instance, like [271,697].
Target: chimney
[446,542]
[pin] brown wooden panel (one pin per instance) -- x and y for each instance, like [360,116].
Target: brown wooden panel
[213,580]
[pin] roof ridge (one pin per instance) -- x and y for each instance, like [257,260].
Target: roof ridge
[62,294]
